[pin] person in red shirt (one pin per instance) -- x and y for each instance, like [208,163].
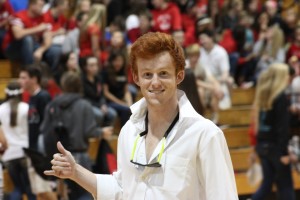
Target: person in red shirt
[55,16]
[294,49]
[145,19]
[6,11]
[91,32]
[166,16]
[29,38]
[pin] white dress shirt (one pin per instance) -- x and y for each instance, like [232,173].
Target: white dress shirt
[196,164]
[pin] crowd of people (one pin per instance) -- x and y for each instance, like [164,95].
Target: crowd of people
[75,55]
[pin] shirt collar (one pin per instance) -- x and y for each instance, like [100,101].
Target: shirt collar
[139,110]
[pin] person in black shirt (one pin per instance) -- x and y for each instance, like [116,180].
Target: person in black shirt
[116,86]
[93,91]
[271,106]
[30,80]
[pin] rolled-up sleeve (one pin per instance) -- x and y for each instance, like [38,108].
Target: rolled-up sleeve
[108,187]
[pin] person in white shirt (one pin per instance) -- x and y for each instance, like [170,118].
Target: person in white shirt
[215,60]
[166,150]
[14,137]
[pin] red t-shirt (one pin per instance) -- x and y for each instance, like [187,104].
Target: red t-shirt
[85,43]
[189,29]
[294,50]
[167,20]
[60,22]
[6,10]
[22,19]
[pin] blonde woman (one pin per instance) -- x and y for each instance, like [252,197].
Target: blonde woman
[269,47]
[272,132]
[91,32]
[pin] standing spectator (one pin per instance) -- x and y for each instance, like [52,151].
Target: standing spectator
[166,16]
[92,32]
[214,59]
[272,117]
[116,86]
[93,92]
[14,124]
[78,118]
[29,39]
[30,80]
[6,11]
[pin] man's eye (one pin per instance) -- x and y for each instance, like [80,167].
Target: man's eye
[163,73]
[147,75]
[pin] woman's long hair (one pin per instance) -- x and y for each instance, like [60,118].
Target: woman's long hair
[271,83]
[97,15]
[189,86]
[13,96]
[112,74]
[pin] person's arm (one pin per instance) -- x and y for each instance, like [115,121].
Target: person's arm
[95,45]
[112,97]
[19,32]
[127,96]
[47,41]
[215,168]
[64,166]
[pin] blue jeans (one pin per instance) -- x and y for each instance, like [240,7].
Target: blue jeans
[22,50]
[124,112]
[17,170]
[105,119]
[275,171]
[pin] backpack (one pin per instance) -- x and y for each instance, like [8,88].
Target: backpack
[56,128]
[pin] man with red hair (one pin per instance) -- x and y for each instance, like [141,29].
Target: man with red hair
[166,150]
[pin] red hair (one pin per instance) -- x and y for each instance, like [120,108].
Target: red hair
[151,44]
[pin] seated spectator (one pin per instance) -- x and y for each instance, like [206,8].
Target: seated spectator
[116,86]
[294,49]
[145,19]
[209,88]
[29,39]
[269,48]
[92,32]
[215,60]
[93,91]
[56,17]
[166,16]
[189,86]
[67,62]
[6,12]
[82,6]
[14,126]
[79,120]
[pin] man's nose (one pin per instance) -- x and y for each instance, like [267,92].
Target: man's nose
[155,80]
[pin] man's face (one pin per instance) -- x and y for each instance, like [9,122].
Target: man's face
[92,66]
[37,8]
[25,81]
[205,41]
[157,79]
[63,7]
[157,3]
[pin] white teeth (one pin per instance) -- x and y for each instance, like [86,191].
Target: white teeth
[156,91]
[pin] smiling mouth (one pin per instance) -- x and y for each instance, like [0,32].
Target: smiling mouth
[156,91]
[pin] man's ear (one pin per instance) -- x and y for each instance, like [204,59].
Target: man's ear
[136,78]
[179,77]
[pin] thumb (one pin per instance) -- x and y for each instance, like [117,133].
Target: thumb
[61,148]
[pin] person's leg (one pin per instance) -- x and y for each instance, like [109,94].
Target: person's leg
[124,112]
[99,115]
[21,50]
[25,180]
[52,56]
[284,182]
[268,178]
[110,117]
[13,170]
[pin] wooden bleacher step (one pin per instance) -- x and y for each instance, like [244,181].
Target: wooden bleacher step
[239,158]
[237,137]
[3,84]
[235,116]
[242,96]
[5,69]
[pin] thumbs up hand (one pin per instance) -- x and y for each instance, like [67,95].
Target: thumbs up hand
[63,164]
